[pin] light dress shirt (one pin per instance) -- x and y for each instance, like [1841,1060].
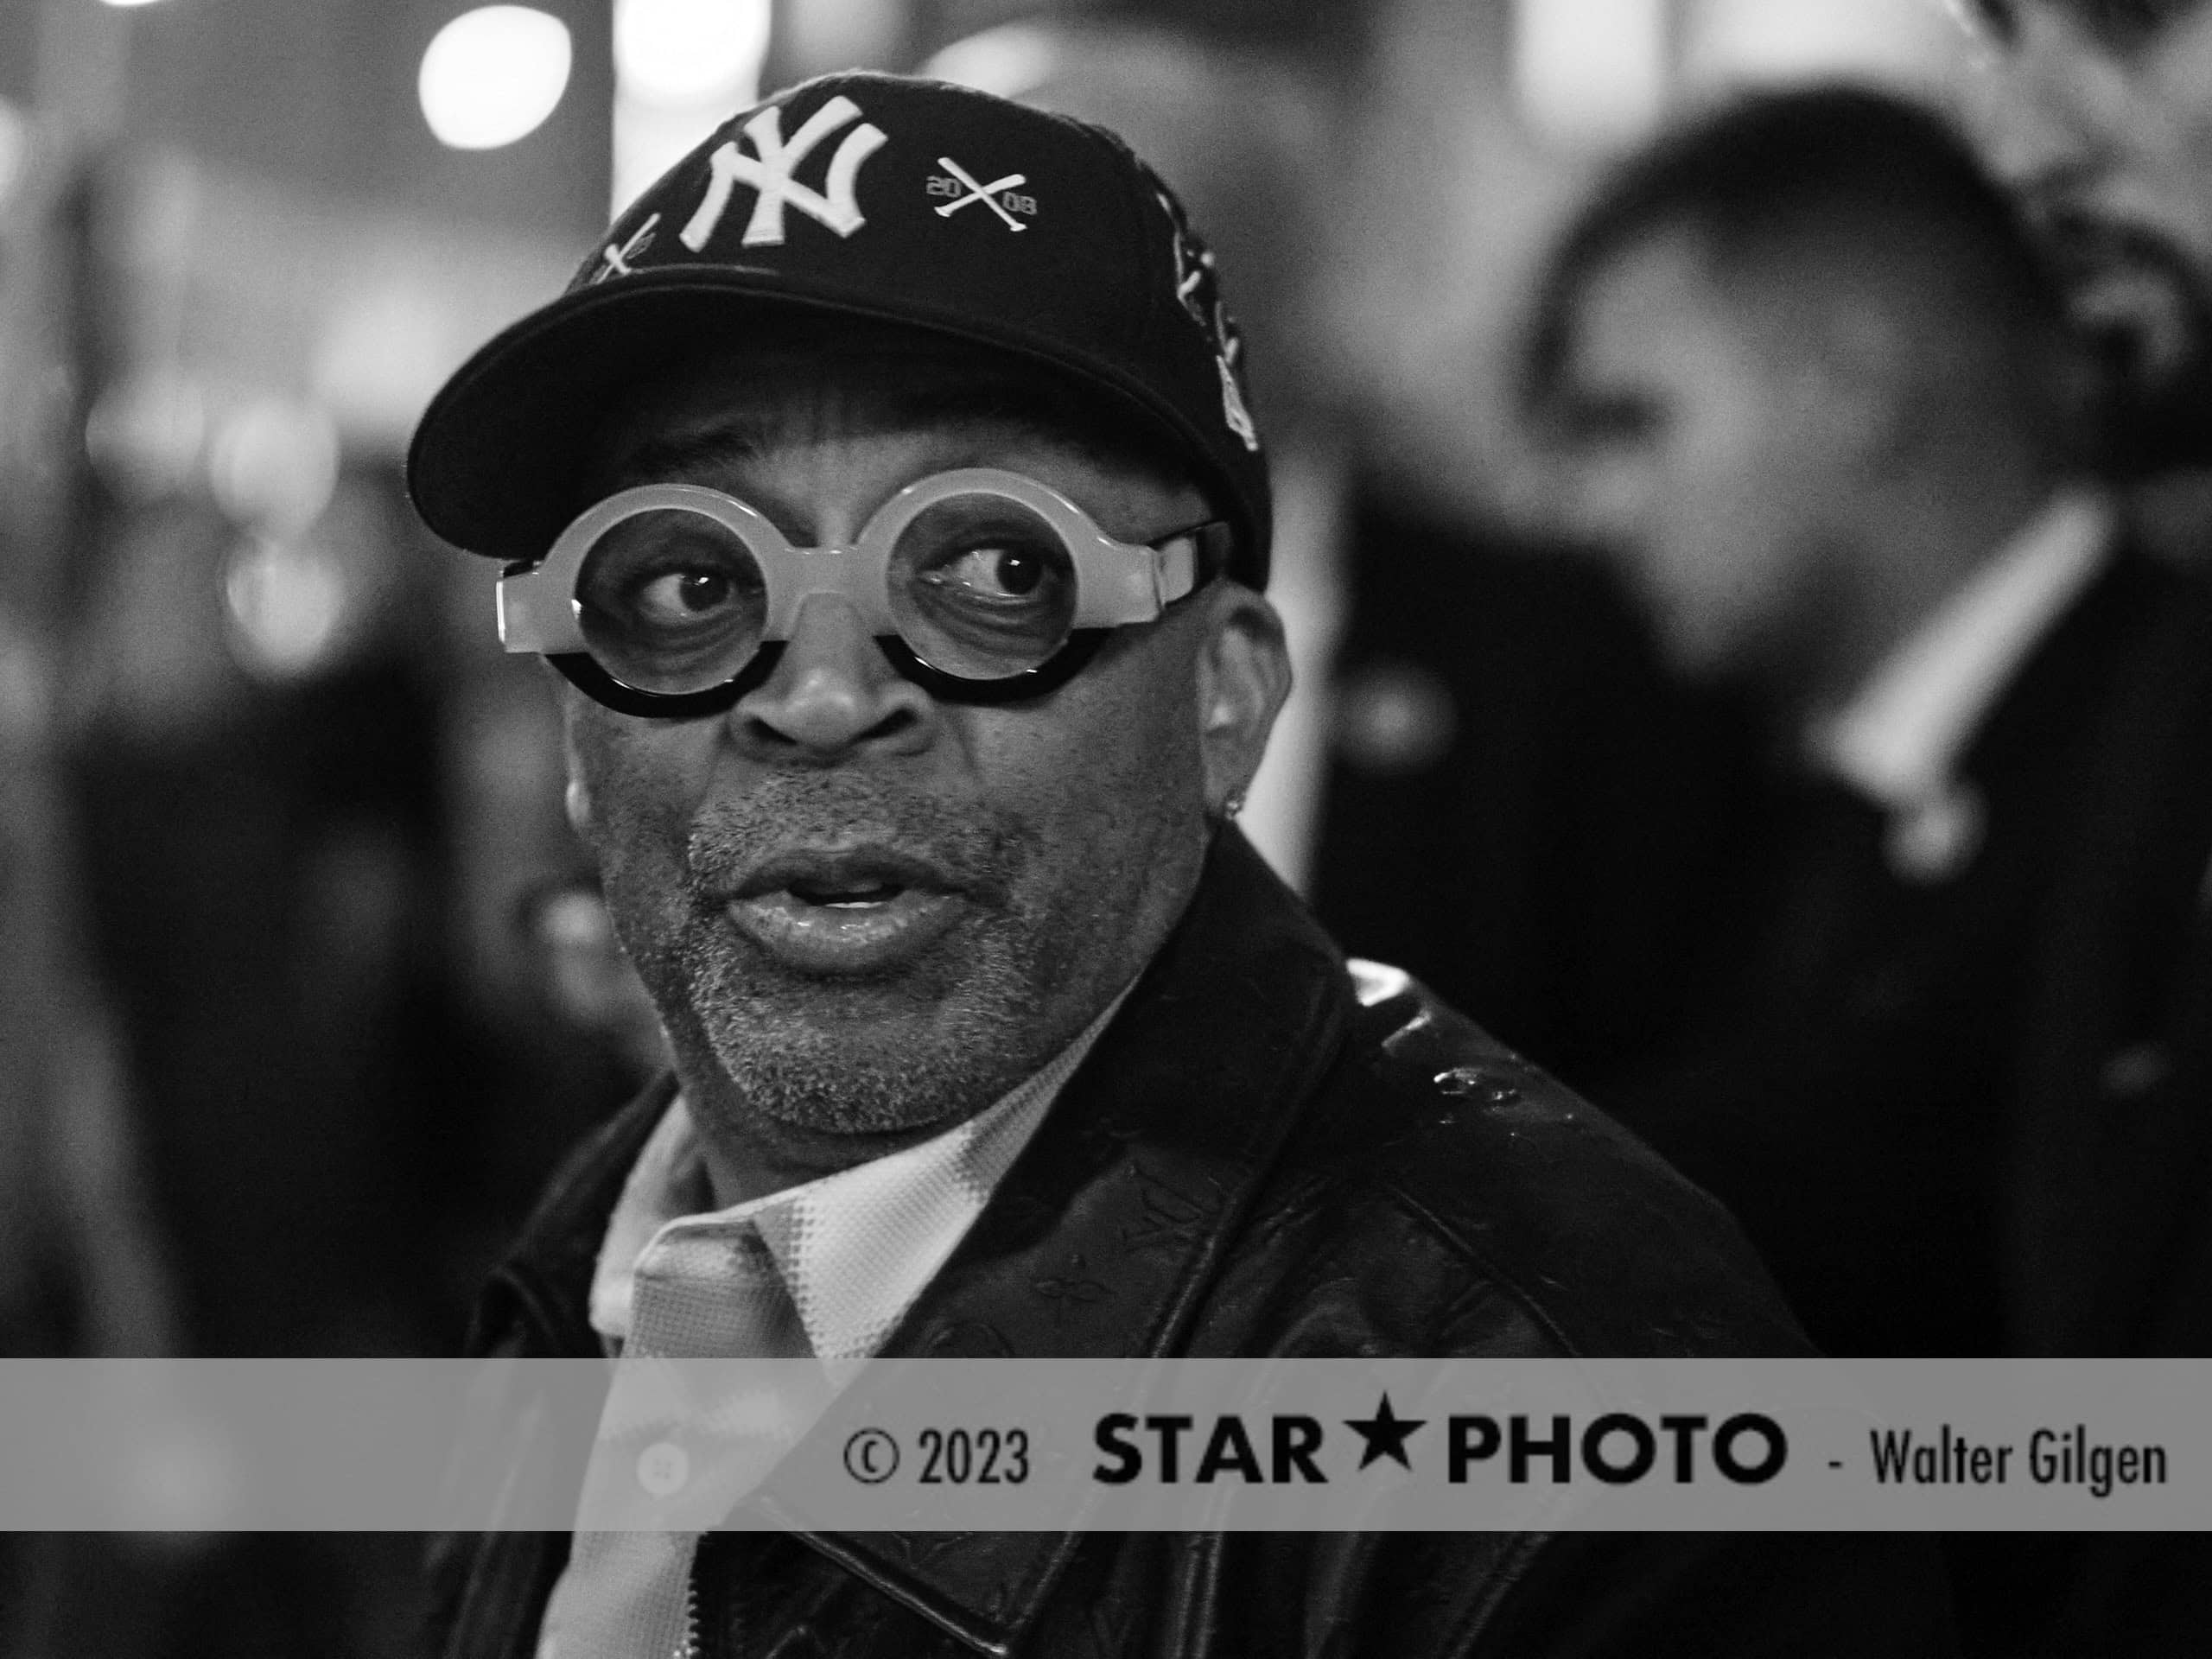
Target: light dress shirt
[854,1249]
[1900,739]
[851,1251]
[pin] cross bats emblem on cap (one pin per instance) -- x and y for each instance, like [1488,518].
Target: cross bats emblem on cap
[986,193]
[614,260]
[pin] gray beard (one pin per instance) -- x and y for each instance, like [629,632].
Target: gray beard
[964,1022]
[815,1069]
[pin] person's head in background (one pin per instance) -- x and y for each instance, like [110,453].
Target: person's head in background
[2098,112]
[1799,366]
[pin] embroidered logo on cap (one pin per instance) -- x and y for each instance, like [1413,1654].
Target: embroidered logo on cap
[1233,411]
[1197,290]
[614,261]
[999,196]
[771,169]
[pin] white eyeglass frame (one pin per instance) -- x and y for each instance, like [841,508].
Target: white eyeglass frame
[1117,583]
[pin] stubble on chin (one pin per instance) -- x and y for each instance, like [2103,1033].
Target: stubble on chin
[950,1035]
[933,1041]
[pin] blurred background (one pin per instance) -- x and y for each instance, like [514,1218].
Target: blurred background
[307,987]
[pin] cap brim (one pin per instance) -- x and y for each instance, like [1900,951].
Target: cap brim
[496,462]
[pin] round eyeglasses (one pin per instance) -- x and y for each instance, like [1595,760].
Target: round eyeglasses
[979,585]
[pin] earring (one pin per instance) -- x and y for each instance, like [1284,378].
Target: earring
[1233,805]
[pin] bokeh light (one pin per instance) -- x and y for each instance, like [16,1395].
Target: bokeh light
[685,52]
[273,464]
[146,433]
[680,66]
[1591,72]
[492,76]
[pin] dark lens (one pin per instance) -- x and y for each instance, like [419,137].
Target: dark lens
[982,588]
[671,601]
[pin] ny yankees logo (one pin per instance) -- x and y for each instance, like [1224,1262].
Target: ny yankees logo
[986,193]
[770,170]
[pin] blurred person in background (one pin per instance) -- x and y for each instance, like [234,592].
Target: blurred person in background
[2098,112]
[1805,371]
[1805,374]
[2100,115]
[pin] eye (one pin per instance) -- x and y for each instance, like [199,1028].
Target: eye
[997,572]
[680,596]
[668,580]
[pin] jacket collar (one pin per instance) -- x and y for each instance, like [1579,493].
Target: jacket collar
[2065,680]
[1901,735]
[1102,1238]
[544,1286]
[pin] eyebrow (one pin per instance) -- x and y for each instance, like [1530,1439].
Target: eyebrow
[684,453]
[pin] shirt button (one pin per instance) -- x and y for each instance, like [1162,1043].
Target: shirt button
[662,1468]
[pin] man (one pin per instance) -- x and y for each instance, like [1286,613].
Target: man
[2098,112]
[2100,115]
[991,1034]
[1808,377]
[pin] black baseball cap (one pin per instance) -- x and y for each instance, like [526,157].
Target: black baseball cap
[870,196]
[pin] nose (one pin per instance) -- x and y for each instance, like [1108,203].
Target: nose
[832,694]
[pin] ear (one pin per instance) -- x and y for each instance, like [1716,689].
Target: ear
[577,800]
[1244,677]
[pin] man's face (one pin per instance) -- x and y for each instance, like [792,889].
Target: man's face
[861,909]
[1691,450]
[2099,113]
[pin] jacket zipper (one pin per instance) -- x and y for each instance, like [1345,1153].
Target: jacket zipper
[689,1650]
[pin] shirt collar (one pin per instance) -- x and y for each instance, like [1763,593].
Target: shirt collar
[1900,737]
[855,1248]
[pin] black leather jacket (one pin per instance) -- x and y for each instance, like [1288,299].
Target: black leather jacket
[1265,1154]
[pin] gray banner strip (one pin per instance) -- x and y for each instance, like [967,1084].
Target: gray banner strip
[1321,1444]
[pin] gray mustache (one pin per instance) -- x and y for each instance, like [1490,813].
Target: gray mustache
[980,853]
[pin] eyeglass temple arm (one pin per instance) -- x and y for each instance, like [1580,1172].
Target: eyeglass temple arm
[532,616]
[1190,559]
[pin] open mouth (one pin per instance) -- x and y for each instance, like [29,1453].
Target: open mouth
[846,896]
[838,915]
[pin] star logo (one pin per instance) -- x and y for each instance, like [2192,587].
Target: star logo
[1386,1434]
